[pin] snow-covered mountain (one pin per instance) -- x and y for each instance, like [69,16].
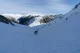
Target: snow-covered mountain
[26,19]
[58,34]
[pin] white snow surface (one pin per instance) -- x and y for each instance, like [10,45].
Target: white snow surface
[57,36]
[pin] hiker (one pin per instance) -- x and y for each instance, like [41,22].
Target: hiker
[66,18]
[36,32]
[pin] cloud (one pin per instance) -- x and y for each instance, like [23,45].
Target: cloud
[35,6]
[49,6]
[60,6]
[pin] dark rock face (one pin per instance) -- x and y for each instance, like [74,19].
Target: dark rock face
[5,20]
[25,19]
[76,6]
[46,19]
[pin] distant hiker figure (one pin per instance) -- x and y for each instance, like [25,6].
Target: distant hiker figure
[66,18]
[36,32]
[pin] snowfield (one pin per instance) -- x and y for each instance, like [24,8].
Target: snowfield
[61,35]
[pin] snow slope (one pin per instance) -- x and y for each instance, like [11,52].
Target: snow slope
[61,35]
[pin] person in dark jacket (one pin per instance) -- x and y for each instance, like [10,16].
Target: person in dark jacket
[36,32]
[66,18]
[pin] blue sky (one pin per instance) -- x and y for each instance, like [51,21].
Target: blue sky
[37,6]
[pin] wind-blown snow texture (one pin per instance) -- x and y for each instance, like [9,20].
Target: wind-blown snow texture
[62,35]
